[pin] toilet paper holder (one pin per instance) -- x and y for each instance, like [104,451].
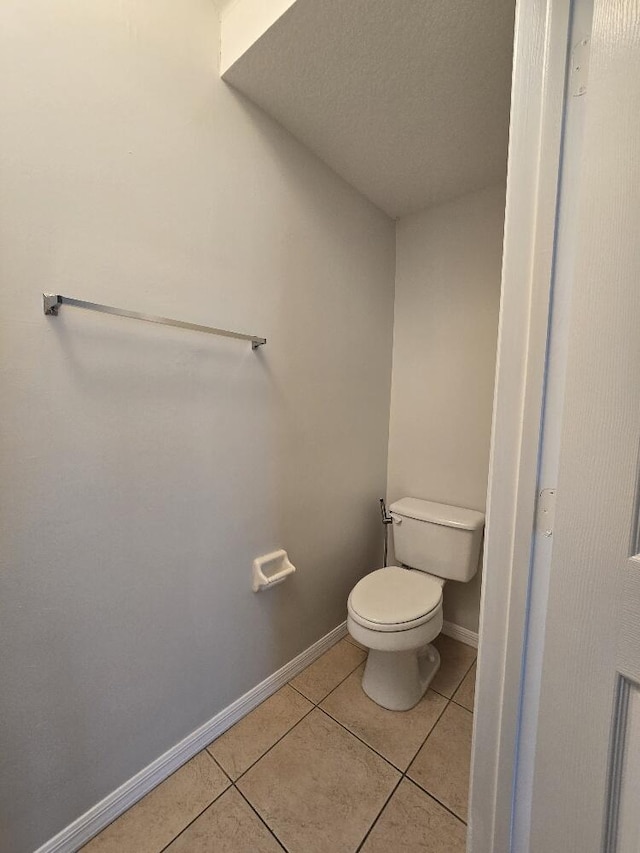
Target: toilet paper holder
[271,569]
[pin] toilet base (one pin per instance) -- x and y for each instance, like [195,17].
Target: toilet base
[398,680]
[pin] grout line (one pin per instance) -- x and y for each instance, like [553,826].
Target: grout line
[377,817]
[155,788]
[184,828]
[464,707]
[373,749]
[333,689]
[433,797]
[317,705]
[404,776]
[261,819]
[357,737]
[430,732]
[218,765]
[306,714]
[448,698]
[275,743]
[351,671]
[289,684]
[466,673]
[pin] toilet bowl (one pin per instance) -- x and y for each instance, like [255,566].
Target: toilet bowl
[396,612]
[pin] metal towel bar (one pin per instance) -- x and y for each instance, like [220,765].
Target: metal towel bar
[52,303]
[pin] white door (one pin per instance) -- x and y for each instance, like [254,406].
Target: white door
[586,787]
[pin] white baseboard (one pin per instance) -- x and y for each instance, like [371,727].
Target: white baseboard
[457,632]
[103,813]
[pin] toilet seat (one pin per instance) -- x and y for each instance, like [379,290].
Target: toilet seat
[395,599]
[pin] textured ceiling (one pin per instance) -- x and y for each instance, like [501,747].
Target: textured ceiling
[408,100]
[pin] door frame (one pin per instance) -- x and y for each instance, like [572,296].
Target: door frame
[541,42]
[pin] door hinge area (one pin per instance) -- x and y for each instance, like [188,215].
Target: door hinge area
[545,512]
[580,67]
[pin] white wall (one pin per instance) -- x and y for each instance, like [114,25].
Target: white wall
[145,467]
[448,261]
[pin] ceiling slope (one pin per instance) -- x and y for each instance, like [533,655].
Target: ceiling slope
[408,100]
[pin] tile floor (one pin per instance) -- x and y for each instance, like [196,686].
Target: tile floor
[320,768]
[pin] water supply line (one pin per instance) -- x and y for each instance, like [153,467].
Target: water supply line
[386,521]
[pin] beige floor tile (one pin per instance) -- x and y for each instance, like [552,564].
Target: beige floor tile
[319,788]
[156,820]
[442,765]
[397,735]
[465,694]
[320,677]
[412,822]
[237,749]
[355,643]
[455,660]
[227,826]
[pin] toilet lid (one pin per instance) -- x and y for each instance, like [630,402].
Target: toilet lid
[395,595]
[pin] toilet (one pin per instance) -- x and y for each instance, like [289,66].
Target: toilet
[396,612]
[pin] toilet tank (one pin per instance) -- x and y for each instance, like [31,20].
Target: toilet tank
[437,538]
